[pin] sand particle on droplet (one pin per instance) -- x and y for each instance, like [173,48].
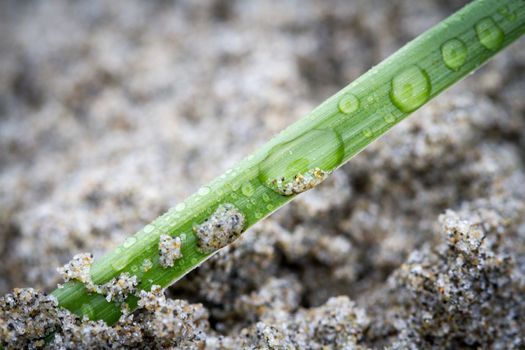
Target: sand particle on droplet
[222,228]
[118,289]
[300,183]
[169,250]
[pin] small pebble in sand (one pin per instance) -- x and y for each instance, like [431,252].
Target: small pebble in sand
[301,182]
[222,228]
[169,250]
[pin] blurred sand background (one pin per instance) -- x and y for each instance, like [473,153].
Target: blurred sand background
[112,112]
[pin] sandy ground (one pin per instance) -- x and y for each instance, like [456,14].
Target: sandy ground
[113,112]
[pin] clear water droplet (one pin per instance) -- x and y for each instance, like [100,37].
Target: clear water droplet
[182,236]
[326,151]
[180,207]
[509,15]
[88,311]
[348,104]
[147,265]
[149,228]
[258,215]
[265,197]
[247,189]
[410,89]
[389,118]
[129,242]
[120,262]
[454,53]
[367,132]
[203,191]
[269,207]
[490,35]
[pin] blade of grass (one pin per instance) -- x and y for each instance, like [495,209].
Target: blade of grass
[319,143]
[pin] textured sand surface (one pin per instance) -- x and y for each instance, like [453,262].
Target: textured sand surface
[113,112]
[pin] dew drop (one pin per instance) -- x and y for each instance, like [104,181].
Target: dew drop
[203,191]
[265,197]
[147,265]
[507,13]
[389,118]
[258,215]
[236,185]
[247,189]
[348,104]
[180,207]
[129,242]
[325,151]
[410,89]
[88,311]
[182,236]
[367,132]
[120,262]
[149,228]
[269,207]
[454,53]
[489,34]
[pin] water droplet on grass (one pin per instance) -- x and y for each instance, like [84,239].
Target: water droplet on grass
[507,13]
[129,242]
[454,53]
[389,118]
[348,104]
[410,89]
[180,206]
[149,228]
[203,191]
[247,189]
[367,132]
[120,262]
[314,149]
[88,311]
[489,34]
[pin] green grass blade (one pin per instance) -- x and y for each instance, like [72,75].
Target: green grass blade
[330,135]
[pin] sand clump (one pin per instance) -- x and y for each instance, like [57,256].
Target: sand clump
[417,243]
[223,227]
[169,251]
